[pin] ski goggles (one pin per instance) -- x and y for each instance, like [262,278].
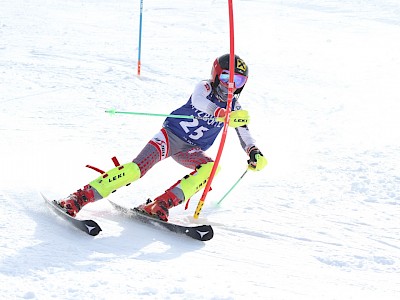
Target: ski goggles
[239,80]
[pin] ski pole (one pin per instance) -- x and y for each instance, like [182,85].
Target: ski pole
[113,111]
[233,186]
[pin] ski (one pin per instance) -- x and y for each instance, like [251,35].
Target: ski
[88,226]
[200,232]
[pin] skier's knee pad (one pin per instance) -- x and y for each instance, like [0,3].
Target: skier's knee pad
[115,178]
[197,180]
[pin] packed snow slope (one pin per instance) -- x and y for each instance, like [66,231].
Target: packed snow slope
[321,221]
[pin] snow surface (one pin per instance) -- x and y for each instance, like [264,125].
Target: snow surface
[321,221]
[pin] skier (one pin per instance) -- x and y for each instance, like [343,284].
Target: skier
[185,140]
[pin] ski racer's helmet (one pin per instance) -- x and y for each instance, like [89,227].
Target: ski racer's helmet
[220,76]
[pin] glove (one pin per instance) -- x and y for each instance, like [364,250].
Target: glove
[256,161]
[237,118]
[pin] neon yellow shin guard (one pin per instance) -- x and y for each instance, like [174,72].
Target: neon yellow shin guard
[196,181]
[116,178]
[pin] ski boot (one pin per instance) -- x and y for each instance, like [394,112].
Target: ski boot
[161,205]
[74,203]
[181,191]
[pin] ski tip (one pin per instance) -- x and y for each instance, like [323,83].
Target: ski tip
[92,227]
[205,232]
[88,226]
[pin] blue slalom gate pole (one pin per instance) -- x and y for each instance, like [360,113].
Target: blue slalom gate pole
[140,37]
